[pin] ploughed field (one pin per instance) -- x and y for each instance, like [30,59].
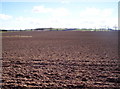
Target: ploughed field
[60,59]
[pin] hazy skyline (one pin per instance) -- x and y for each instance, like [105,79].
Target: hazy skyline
[58,14]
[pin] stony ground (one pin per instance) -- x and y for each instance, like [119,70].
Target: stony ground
[60,59]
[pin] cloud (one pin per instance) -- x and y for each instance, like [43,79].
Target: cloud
[60,12]
[65,1]
[5,17]
[94,17]
[61,18]
[41,9]
[59,0]
[92,12]
[52,11]
[70,1]
[32,22]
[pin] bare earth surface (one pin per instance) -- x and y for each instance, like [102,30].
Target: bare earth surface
[60,60]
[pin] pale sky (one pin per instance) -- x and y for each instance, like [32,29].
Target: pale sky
[27,14]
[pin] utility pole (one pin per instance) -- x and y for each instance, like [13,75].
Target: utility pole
[115,27]
[119,15]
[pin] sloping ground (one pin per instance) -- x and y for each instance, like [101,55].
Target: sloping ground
[64,60]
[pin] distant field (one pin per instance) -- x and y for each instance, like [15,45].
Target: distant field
[55,29]
[66,59]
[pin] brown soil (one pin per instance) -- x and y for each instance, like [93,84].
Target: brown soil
[60,60]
